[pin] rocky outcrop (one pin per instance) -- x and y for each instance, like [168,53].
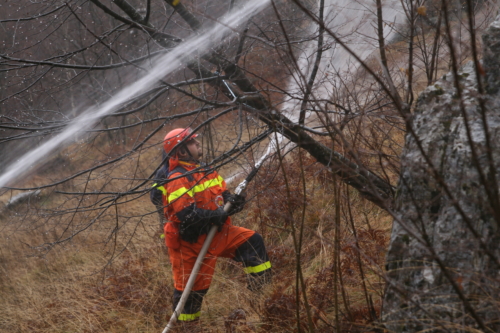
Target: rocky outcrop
[444,255]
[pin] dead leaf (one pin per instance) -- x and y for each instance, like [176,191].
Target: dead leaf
[481,70]
[460,279]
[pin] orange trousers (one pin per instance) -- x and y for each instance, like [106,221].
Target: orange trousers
[224,245]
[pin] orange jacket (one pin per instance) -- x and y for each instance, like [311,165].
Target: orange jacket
[204,190]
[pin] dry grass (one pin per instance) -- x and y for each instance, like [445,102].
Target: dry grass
[100,281]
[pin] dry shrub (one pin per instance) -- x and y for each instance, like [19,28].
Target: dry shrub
[133,284]
[371,252]
[354,316]
[279,312]
[281,257]
[276,211]
[279,199]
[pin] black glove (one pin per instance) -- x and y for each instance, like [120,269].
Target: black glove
[237,202]
[218,217]
[196,221]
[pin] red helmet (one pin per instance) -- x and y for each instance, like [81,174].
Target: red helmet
[174,137]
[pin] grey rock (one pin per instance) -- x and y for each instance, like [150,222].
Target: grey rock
[442,262]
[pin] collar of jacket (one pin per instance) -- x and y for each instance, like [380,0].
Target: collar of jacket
[189,165]
[173,162]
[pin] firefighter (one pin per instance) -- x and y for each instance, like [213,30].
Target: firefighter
[193,200]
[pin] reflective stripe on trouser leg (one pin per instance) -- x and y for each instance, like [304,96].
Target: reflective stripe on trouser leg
[254,256]
[192,308]
[258,269]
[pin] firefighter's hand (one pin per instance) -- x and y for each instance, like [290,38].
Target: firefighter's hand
[237,203]
[219,217]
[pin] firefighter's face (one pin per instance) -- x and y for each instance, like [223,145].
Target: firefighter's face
[194,147]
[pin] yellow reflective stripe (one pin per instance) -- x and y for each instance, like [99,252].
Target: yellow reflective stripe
[162,189]
[178,193]
[196,189]
[209,183]
[258,269]
[189,317]
[175,2]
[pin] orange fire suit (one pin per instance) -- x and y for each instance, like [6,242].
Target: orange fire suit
[190,195]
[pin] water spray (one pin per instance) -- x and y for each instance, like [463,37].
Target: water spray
[163,65]
[353,22]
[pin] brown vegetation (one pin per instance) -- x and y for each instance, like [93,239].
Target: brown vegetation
[84,285]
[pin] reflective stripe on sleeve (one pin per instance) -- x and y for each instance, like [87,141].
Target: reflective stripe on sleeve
[258,269]
[161,188]
[189,317]
[179,193]
[196,189]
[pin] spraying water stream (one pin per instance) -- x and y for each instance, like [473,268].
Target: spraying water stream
[355,23]
[163,65]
